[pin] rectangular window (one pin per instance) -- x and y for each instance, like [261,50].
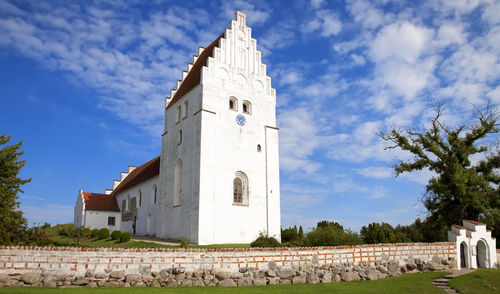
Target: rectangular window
[111,220]
[140,198]
[179,139]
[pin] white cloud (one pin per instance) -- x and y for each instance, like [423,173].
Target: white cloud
[326,21]
[358,59]
[317,3]
[365,13]
[402,41]
[255,16]
[376,172]
[51,213]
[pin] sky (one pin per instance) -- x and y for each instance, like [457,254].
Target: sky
[83,85]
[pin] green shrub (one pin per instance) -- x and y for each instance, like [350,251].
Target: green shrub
[116,235]
[86,232]
[125,237]
[264,241]
[95,233]
[103,233]
[183,242]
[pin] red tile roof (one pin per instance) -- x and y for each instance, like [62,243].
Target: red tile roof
[463,228]
[96,201]
[474,222]
[139,175]
[194,75]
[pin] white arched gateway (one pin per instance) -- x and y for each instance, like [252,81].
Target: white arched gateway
[475,246]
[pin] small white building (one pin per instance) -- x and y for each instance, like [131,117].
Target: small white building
[217,178]
[475,246]
[95,211]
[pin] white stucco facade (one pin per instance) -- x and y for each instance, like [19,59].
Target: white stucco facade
[215,149]
[475,246]
[218,173]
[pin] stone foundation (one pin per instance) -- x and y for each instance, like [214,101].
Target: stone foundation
[108,267]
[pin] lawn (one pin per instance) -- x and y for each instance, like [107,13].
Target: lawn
[414,283]
[480,281]
[53,236]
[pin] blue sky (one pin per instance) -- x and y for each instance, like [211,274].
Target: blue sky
[83,85]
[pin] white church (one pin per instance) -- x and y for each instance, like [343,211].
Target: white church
[217,178]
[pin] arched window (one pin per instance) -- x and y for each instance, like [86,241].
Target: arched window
[233,103]
[240,188]
[247,107]
[185,114]
[153,199]
[178,183]
[259,149]
[178,118]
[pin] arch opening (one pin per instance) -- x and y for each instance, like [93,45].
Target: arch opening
[482,254]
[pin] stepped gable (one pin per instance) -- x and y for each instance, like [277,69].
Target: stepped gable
[139,175]
[96,201]
[194,76]
[232,60]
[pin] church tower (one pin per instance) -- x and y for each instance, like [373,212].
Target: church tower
[219,170]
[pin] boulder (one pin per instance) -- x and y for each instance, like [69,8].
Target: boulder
[187,283]
[91,285]
[299,280]
[118,275]
[101,276]
[222,276]
[350,276]
[30,278]
[273,281]
[312,278]
[236,276]
[155,283]
[326,278]
[198,283]
[259,274]
[132,278]
[178,270]
[164,274]
[81,281]
[180,277]
[226,283]
[171,283]
[270,273]
[89,274]
[244,282]
[260,282]
[411,266]
[371,275]
[111,283]
[198,273]
[4,278]
[145,271]
[393,266]
[435,266]
[285,273]
[272,265]
[285,281]
[336,278]
[139,284]
[243,270]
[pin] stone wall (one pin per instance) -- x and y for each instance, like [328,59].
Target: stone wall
[80,260]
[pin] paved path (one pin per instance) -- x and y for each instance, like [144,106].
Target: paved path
[442,283]
[154,240]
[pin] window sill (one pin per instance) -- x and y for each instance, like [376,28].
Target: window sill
[239,204]
[177,205]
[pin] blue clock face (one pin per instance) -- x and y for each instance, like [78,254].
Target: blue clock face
[241,120]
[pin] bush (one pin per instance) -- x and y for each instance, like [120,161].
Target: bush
[264,241]
[116,235]
[125,237]
[86,232]
[95,233]
[183,242]
[331,234]
[103,233]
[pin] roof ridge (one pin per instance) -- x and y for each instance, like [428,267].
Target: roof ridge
[139,174]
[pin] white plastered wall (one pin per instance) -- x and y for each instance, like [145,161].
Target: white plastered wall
[145,209]
[471,233]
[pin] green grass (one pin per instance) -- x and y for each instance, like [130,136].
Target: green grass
[480,281]
[414,283]
[53,236]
